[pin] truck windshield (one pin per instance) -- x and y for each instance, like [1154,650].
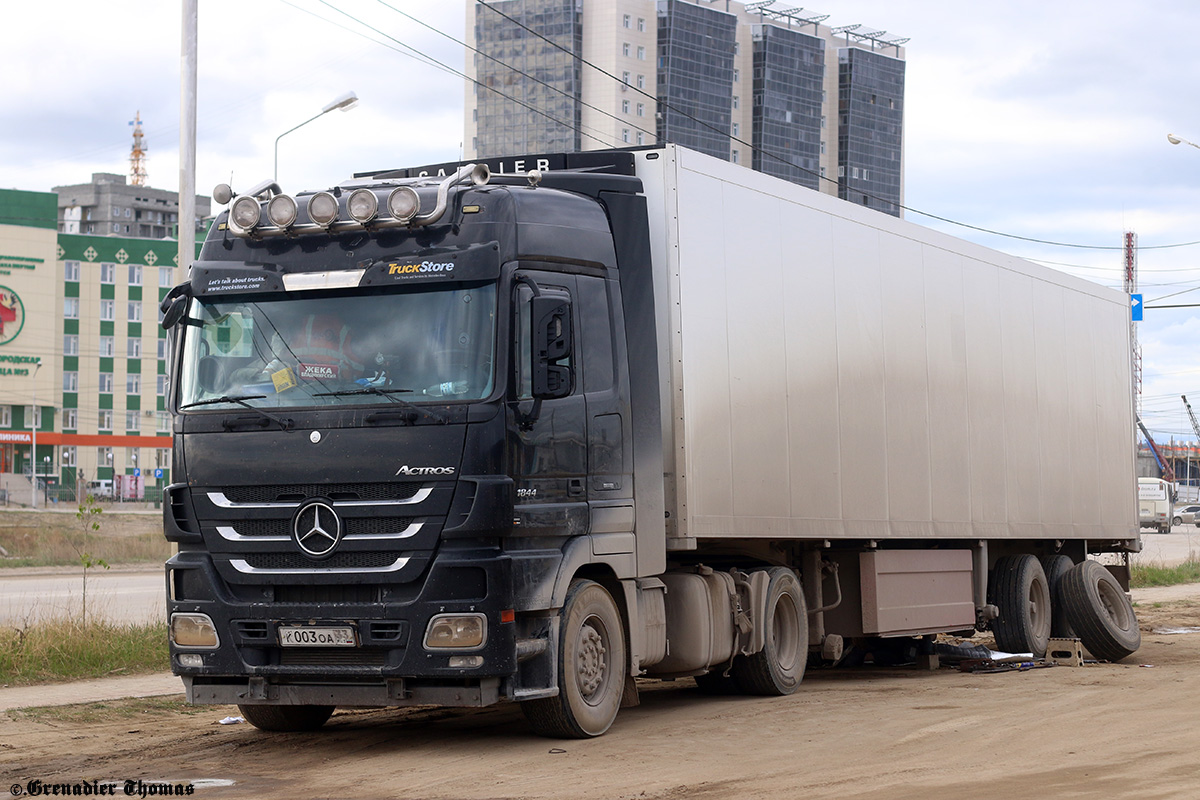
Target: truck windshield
[421,345]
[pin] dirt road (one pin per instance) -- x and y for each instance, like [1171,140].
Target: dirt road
[1127,730]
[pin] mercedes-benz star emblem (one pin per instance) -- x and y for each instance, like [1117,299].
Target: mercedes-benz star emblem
[317,529]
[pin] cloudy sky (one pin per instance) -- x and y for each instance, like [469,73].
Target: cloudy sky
[1043,120]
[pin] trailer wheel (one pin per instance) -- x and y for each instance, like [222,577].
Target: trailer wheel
[1055,568]
[1019,589]
[778,668]
[286,719]
[1100,612]
[592,664]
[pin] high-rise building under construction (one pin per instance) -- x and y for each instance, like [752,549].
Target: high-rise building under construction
[761,84]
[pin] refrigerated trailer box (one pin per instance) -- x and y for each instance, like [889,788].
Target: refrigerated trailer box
[456,434]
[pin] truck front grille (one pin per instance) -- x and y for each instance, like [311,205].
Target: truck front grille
[351,560]
[297,493]
[353,526]
[331,657]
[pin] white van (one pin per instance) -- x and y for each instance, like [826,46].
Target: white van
[101,490]
[1156,504]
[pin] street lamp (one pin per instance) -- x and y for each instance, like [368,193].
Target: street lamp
[1173,139]
[345,103]
[33,423]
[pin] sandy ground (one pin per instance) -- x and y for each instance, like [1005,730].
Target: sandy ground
[1108,730]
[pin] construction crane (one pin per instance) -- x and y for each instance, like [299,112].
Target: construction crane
[137,155]
[1168,472]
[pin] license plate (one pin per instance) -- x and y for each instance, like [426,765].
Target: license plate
[311,636]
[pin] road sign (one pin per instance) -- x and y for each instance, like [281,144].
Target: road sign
[137,472]
[158,473]
[1135,306]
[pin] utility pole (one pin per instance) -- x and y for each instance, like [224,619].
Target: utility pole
[187,139]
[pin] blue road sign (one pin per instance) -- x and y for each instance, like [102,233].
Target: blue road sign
[137,472]
[158,473]
[1135,306]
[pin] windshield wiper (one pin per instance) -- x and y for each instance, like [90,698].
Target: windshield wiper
[284,424]
[385,393]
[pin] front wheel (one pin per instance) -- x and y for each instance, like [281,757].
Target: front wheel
[286,719]
[1177,521]
[592,664]
[778,668]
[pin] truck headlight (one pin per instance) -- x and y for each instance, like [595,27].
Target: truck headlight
[403,203]
[281,210]
[323,209]
[456,631]
[194,630]
[245,212]
[362,205]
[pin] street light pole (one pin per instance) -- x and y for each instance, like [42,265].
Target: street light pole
[344,103]
[33,423]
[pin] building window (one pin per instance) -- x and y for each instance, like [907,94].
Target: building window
[641,138]
[71,308]
[642,24]
[70,419]
[106,382]
[165,278]
[108,310]
[70,344]
[162,348]
[841,171]
[71,270]
[624,106]
[625,78]
[822,148]
[736,129]
[641,109]
[108,273]
[133,348]
[133,421]
[131,456]
[736,75]
[164,423]
[822,122]
[106,346]
[625,49]
[160,386]
[33,417]
[105,419]
[134,311]
[135,275]
[68,456]
[162,457]
[641,81]
[641,51]
[133,383]
[5,416]
[625,135]
[736,156]
[104,455]
[70,381]
[735,102]
[626,21]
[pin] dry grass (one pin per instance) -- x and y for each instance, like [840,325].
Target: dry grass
[41,539]
[107,710]
[63,650]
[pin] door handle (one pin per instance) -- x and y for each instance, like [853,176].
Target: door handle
[575,487]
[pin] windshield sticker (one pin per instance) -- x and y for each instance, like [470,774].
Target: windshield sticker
[314,372]
[284,379]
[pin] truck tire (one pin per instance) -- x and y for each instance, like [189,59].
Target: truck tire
[778,668]
[286,719]
[1100,612]
[1055,567]
[1019,589]
[592,664]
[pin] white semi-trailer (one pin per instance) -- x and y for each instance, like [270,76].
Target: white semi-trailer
[452,437]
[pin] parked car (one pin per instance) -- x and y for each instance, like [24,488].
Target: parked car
[1186,515]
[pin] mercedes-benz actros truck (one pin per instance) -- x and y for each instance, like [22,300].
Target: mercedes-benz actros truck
[540,428]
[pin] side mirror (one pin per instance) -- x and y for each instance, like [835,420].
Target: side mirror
[551,319]
[175,304]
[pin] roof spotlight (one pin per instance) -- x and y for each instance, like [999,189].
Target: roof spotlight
[245,212]
[323,209]
[281,210]
[362,205]
[403,203]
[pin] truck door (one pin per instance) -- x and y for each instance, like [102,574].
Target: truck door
[548,441]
